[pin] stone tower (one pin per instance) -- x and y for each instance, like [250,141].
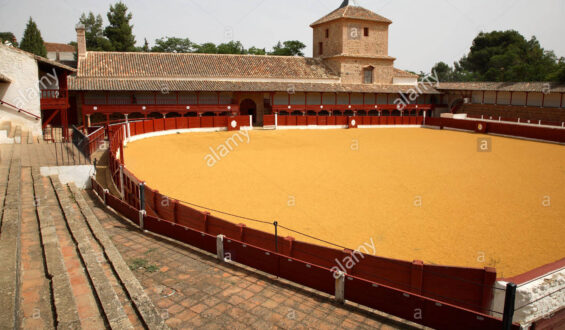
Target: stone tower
[353,41]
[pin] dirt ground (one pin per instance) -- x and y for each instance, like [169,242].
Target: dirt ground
[417,194]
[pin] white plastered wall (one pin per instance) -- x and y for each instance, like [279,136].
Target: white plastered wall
[22,91]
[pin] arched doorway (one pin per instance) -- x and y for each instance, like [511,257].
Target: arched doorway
[248,107]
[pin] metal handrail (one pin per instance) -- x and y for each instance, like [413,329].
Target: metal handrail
[20,110]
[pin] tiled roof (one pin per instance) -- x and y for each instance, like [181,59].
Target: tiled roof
[404,74]
[5,79]
[171,65]
[40,59]
[353,12]
[504,86]
[60,48]
[128,84]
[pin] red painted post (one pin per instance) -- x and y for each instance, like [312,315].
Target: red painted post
[241,231]
[417,276]
[290,241]
[122,154]
[175,210]
[542,99]
[511,94]
[206,215]
[561,103]
[526,104]
[483,101]
[496,98]
[489,280]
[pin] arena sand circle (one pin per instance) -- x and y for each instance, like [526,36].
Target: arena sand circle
[416,194]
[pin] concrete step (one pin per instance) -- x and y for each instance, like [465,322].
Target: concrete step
[35,310]
[18,135]
[62,265]
[10,228]
[139,300]
[89,253]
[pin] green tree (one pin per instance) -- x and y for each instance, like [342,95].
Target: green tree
[288,48]
[94,34]
[256,51]
[32,41]
[8,37]
[443,71]
[206,48]
[232,47]
[119,31]
[507,56]
[503,56]
[145,47]
[173,45]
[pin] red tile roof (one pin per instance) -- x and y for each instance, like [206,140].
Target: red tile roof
[59,48]
[352,12]
[404,74]
[144,84]
[504,86]
[41,59]
[171,65]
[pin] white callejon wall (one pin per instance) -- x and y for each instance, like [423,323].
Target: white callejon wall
[405,81]
[79,175]
[22,91]
[535,300]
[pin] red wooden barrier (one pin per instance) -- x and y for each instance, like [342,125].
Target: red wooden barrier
[181,233]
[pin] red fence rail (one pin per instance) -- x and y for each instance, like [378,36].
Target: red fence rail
[553,134]
[464,293]
[293,120]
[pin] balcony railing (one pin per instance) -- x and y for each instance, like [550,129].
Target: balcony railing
[53,94]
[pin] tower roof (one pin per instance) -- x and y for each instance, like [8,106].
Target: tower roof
[353,12]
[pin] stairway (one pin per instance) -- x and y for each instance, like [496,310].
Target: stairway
[60,269]
[10,134]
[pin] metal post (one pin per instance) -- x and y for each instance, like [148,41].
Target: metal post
[142,196]
[276,236]
[509,301]
[122,181]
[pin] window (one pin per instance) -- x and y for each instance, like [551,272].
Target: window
[320,48]
[327,33]
[368,75]
[366,32]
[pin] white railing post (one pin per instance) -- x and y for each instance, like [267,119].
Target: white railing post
[340,287]
[142,214]
[250,120]
[220,247]
[276,120]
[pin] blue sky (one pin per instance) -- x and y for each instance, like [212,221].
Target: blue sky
[423,33]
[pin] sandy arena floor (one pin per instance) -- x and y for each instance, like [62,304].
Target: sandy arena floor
[416,193]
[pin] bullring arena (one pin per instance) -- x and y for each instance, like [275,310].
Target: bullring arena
[418,194]
[189,190]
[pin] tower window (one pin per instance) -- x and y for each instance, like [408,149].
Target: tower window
[320,48]
[366,32]
[368,75]
[327,33]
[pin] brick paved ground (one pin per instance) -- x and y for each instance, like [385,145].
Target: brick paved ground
[192,289]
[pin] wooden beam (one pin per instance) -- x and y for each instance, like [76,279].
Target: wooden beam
[483,101]
[50,118]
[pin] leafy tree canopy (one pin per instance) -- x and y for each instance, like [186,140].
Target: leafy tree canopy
[504,56]
[119,31]
[8,37]
[288,48]
[172,45]
[95,40]
[232,47]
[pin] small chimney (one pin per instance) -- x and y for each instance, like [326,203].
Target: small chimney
[81,41]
